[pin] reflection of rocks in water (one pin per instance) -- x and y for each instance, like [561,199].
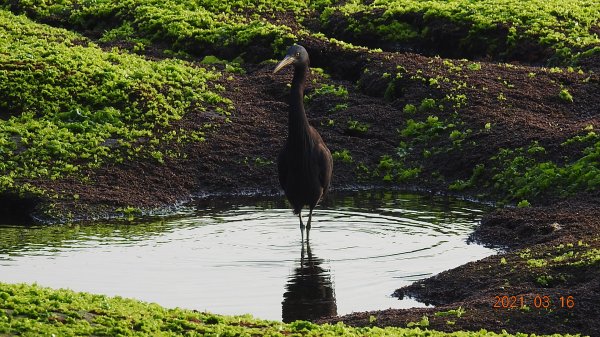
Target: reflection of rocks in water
[309,292]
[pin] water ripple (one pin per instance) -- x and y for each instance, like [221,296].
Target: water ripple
[238,257]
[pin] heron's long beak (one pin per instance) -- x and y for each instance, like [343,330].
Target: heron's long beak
[286,60]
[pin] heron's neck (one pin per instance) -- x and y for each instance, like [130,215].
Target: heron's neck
[298,123]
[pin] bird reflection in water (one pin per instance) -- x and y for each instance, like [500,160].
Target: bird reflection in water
[309,292]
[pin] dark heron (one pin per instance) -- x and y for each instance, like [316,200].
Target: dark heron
[304,164]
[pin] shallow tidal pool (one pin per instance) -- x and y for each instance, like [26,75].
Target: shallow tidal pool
[238,256]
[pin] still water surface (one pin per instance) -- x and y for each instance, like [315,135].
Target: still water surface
[246,256]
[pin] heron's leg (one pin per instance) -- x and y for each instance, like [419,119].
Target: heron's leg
[300,218]
[301,225]
[308,223]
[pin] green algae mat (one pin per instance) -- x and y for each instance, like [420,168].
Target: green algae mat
[31,310]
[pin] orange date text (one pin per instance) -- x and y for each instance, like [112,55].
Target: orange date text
[535,301]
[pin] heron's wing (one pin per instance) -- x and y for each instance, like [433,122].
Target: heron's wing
[325,166]
[282,168]
[322,156]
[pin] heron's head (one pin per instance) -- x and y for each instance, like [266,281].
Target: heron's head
[296,55]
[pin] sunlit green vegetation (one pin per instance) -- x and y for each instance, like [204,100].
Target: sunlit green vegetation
[394,169]
[525,173]
[425,130]
[558,266]
[27,310]
[343,155]
[357,127]
[458,312]
[201,27]
[460,185]
[494,26]
[565,95]
[191,26]
[67,105]
[328,89]
[528,173]
[570,255]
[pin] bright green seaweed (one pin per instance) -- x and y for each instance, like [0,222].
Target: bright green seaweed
[68,105]
[31,310]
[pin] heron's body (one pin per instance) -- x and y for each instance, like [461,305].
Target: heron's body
[305,164]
